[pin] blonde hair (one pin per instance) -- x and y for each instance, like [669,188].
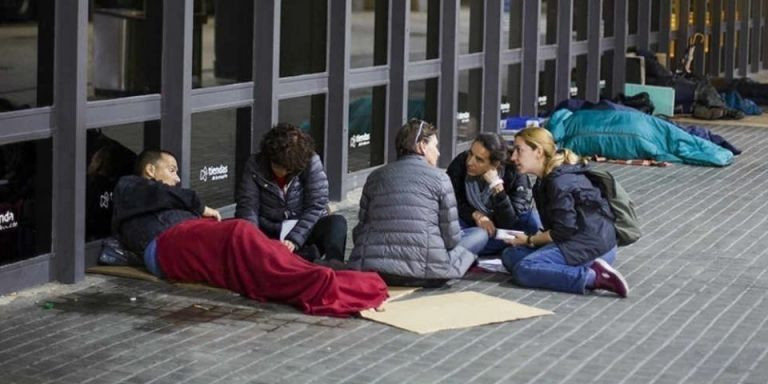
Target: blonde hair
[536,137]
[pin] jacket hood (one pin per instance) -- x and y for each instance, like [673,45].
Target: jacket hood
[569,169]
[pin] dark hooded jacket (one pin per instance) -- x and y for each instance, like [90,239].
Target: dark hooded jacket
[576,213]
[262,202]
[145,208]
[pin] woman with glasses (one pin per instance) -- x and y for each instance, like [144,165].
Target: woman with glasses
[490,194]
[408,228]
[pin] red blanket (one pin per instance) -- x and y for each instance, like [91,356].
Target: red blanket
[234,254]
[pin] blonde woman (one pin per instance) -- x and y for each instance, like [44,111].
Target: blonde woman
[575,250]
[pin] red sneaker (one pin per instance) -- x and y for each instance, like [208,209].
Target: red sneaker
[608,278]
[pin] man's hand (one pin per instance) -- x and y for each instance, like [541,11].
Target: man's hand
[484,222]
[289,244]
[212,213]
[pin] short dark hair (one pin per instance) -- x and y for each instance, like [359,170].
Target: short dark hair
[410,134]
[149,156]
[495,145]
[288,146]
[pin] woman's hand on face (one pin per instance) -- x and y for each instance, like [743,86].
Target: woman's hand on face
[491,175]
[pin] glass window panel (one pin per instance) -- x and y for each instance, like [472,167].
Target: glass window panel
[607,19]
[213,161]
[303,36]
[546,87]
[307,113]
[580,19]
[606,74]
[424,30]
[125,48]
[511,23]
[26,63]
[655,14]
[510,91]
[632,16]
[548,22]
[366,128]
[422,100]
[579,77]
[470,26]
[222,43]
[25,200]
[470,104]
[111,154]
[368,38]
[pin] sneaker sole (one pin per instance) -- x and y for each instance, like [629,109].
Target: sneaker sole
[616,273]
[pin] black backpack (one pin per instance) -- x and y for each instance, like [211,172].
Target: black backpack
[627,225]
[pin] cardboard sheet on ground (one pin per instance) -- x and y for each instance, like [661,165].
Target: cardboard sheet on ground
[451,311]
[142,274]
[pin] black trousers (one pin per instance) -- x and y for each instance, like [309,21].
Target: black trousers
[329,236]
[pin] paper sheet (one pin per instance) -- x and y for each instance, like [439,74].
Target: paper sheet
[286,228]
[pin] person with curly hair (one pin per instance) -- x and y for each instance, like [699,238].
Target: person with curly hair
[284,190]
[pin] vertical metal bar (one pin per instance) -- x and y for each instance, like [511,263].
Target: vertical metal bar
[700,14]
[491,109]
[764,50]
[620,27]
[744,38]
[449,79]
[594,35]
[70,63]
[730,38]
[176,82]
[715,38]
[564,59]
[644,24]
[266,67]
[683,27]
[755,37]
[665,18]
[530,63]
[338,97]
[399,12]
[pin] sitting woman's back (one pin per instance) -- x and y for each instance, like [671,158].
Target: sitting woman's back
[408,227]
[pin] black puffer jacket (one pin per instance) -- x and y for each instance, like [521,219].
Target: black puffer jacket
[505,207]
[575,212]
[145,208]
[263,203]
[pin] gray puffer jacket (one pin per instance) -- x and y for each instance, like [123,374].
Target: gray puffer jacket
[409,224]
[263,203]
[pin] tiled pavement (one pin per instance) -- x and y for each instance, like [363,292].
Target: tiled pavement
[697,312]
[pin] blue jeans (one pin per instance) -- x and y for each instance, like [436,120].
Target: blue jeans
[545,267]
[150,259]
[477,241]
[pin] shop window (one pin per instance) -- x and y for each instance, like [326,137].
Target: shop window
[470,104]
[369,33]
[25,200]
[303,36]
[213,167]
[424,30]
[366,128]
[307,113]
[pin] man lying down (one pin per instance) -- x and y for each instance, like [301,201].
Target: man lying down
[184,240]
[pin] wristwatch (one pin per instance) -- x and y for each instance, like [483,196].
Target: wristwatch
[529,241]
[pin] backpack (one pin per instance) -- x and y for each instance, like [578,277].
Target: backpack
[626,223]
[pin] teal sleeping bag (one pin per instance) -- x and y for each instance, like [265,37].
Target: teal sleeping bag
[622,134]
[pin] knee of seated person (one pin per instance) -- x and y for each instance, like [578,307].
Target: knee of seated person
[511,256]
[338,221]
[522,272]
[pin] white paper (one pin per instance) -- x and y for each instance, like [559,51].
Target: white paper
[503,234]
[286,228]
[492,265]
